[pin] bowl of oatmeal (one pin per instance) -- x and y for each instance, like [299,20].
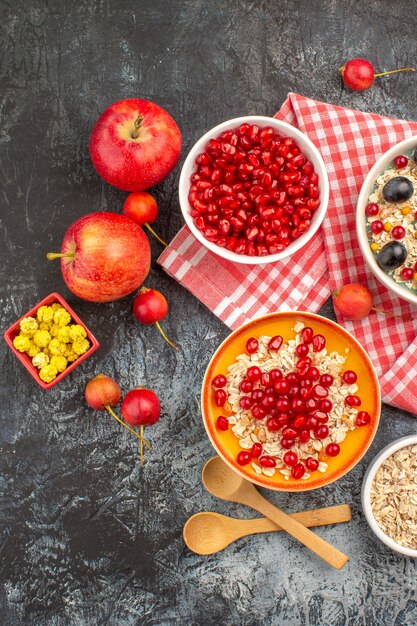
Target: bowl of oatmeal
[386,219]
[291,401]
[389,495]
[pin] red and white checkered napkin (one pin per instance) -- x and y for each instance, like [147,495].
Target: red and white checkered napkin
[350,142]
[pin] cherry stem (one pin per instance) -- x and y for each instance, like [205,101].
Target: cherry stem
[137,125]
[142,461]
[402,69]
[158,325]
[151,230]
[139,436]
[51,256]
[401,317]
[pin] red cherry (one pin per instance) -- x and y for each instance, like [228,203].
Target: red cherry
[219,381]
[290,458]
[253,373]
[333,449]
[149,307]
[252,345]
[141,407]
[298,471]
[222,423]
[349,377]
[376,227]
[398,232]
[256,450]
[357,74]
[220,397]
[244,457]
[407,273]
[142,208]
[362,418]
[267,461]
[372,209]
[311,463]
[400,162]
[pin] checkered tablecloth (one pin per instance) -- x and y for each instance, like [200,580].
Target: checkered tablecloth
[350,143]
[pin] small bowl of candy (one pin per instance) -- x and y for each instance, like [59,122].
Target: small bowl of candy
[254,190]
[50,340]
[291,401]
[386,219]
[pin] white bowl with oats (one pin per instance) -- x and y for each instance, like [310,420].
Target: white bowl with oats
[386,219]
[389,495]
[291,401]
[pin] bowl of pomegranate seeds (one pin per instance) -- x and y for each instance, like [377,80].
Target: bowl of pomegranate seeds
[386,219]
[254,190]
[291,401]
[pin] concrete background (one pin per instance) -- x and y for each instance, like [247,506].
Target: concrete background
[87,536]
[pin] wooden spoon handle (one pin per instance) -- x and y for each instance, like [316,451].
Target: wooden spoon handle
[316,544]
[315,517]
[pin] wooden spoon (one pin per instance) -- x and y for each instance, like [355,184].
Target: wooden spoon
[208,532]
[221,481]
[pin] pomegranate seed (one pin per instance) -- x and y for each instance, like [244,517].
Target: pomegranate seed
[307,334]
[257,395]
[222,422]
[287,443]
[298,471]
[219,381]
[376,227]
[362,418]
[319,391]
[294,391]
[253,373]
[318,343]
[275,343]
[321,432]
[304,436]
[313,373]
[267,461]
[275,374]
[311,422]
[326,405]
[400,162]
[292,378]
[299,421]
[282,404]
[303,362]
[372,209]
[289,432]
[326,380]
[349,377]
[273,425]
[301,350]
[246,385]
[352,400]
[220,397]
[252,345]
[311,463]
[256,450]
[321,416]
[258,412]
[268,401]
[297,405]
[281,386]
[245,402]
[244,457]
[332,449]
[290,458]
[311,405]
[282,418]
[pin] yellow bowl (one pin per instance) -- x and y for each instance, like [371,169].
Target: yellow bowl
[338,339]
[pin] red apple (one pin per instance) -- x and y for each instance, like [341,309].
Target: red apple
[135,144]
[104,257]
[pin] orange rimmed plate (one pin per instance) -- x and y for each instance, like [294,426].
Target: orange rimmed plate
[338,339]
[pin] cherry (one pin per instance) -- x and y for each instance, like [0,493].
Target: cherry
[149,307]
[376,227]
[398,232]
[307,334]
[102,393]
[244,457]
[220,397]
[311,463]
[353,301]
[222,422]
[352,400]
[219,381]
[290,458]
[407,273]
[275,342]
[252,345]
[142,208]
[349,377]
[298,471]
[256,450]
[326,380]
[253,373]
[267,461]
[333,449]
[372,209]
[362,418]
[359,74]
[141,407]
[400,161]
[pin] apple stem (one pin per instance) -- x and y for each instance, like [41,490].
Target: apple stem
[142,461]
[151,230]
[402,69]
[51,256]
[139,436]
[137,125]
[158,325]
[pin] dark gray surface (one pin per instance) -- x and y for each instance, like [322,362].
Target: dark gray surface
[87,536]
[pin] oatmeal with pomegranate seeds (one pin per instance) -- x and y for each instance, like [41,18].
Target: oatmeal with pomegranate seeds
[392,220]
[291,404]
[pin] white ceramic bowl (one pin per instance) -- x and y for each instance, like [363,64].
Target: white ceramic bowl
[307,148]
[377,169]
[366,490]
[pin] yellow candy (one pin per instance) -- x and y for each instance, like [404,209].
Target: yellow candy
[28,326]
[41,338]
[40,360]
[77,332]
[59,362]
[22,343]
[45,314]
[387,227]
[33,350]
[56,348]
[62,317]
[48,373]
[80,347]
[374,246]
[63,334]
